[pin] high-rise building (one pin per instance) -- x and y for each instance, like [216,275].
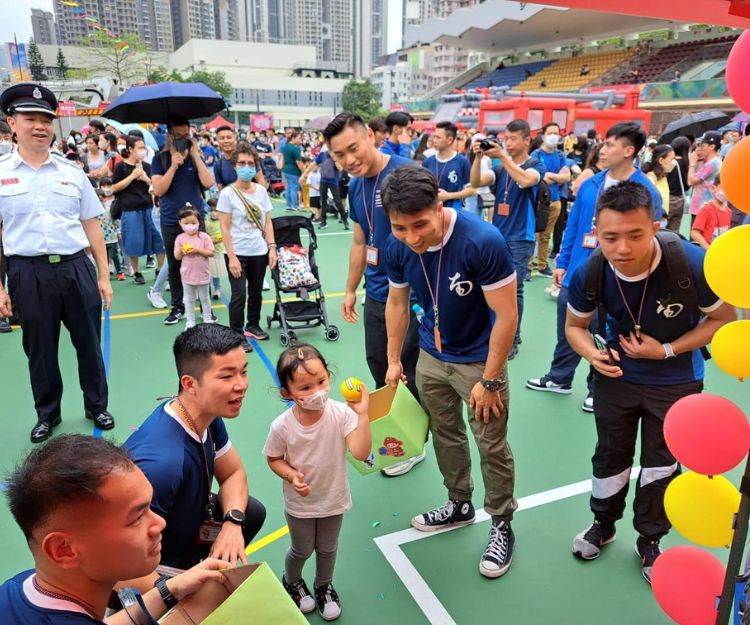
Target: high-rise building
[227,16]
[326,24]
[192,19]
[43,27]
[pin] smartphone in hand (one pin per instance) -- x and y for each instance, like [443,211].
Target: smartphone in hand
[603,347]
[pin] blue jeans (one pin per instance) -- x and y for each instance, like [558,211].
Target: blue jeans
[161,279]
[521,251]
[291,192]
[565,360]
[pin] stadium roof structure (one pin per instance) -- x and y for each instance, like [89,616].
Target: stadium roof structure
[498,26]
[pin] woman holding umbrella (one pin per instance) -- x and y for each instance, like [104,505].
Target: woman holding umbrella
[131,182]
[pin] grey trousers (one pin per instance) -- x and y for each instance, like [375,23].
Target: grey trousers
[308,535]
[444,387]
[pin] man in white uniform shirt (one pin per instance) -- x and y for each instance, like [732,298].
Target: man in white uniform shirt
[49,216]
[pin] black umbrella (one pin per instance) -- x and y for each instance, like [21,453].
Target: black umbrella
[155,103]
[694,125]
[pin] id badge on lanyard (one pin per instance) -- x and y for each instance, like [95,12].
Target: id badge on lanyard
[208,532]
[589,241]
[372,255]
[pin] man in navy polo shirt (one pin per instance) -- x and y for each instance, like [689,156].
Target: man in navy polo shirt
[184,444]
[515,194]
[398,141]
[462,274]
[556,175]
[654,359]
[352,144]
[224,172]
[623,143]
[451,169]
[179,177]
[329,181]
[83,507]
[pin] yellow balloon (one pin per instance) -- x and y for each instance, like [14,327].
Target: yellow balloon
[351,389]
[727,266]
[730,348]
[702,508]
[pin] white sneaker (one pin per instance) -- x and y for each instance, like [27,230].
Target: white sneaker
[266,286]
[588,403]
[189,324]
[156,299]
[553,291]
[403,467]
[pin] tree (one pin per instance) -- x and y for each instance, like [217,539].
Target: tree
[116,59]
[216,80]
[361,98]
[62,64]
[160,74]
[36,62]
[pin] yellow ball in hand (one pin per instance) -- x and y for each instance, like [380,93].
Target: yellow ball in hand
[187,247]
[351,389]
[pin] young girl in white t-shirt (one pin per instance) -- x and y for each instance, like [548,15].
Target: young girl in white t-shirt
[307,447]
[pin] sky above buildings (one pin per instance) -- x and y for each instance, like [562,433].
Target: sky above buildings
[18,21]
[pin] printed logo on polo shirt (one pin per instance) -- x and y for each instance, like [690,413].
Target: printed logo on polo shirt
[453,176]
[461,287]
[668,308]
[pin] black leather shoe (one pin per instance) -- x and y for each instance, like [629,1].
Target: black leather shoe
[43,430]
[103,420]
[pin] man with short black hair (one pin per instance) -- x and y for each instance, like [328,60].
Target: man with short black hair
[224,173]
[450,168]
[352,145]
[515,194]
[184,444]
[398,141]
[651,359]
[556,175]
[702,178]
[379,129]
[293,168]
[83,507]
[179,177]
[97,126]
[461,273]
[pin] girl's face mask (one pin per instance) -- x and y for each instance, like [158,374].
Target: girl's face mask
[316,401]
[189,228]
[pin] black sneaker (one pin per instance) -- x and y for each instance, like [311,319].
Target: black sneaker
[300,594]
[545,383]
[647,550]
[499,553]
[329,605]
[138,278]
[588,544]
[150,262]
[451,514]
[173,317]
[546,272]
[5,326]
[322,226]
[256,332]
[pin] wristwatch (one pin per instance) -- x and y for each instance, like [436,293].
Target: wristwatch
[235,516]
[166,595]
[493,386]
[668,351]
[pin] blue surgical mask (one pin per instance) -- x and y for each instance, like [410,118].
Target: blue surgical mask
[246,173]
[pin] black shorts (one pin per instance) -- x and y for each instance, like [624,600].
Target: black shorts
[315,201]
[344,190]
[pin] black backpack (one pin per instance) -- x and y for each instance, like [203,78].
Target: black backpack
[541,200]
[680,275]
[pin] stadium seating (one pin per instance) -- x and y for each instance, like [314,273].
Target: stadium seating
[565,74]
[661,63]
[508,76]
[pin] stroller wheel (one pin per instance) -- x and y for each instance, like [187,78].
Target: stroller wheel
[292,337]
[332,333]
[284,339]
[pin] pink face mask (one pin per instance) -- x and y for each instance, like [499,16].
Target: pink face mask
[189,228]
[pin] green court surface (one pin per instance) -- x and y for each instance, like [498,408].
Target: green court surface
[552,440]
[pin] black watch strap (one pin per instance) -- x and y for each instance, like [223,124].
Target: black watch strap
[166,595]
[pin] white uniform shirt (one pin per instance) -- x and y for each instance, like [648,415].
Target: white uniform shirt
[41,209]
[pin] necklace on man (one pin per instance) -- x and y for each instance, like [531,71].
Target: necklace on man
[637,322]
[61,597]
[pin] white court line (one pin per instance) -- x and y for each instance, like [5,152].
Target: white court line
[433,609]
[333,234]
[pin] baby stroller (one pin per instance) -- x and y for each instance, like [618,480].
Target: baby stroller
[309,310]
[273,175]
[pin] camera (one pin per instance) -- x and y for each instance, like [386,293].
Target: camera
[488,144]
[182,144]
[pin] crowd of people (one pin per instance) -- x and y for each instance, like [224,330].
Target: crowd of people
[447,227]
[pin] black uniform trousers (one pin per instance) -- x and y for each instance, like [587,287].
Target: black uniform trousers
[376,345]
[337,203]
[619,408]
[45,295]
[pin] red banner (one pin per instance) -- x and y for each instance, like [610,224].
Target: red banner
[66,109]
[260,122]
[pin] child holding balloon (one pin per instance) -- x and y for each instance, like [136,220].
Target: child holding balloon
[306,447]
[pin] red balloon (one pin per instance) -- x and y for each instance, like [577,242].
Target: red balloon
[686,582]
[738,68]
[707,433]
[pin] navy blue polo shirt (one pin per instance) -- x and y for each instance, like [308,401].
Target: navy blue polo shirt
[553,163]
[170,456]
[327,166]
[16,607]
[224,172]
[663,317]
[475,259]
[361,191]
[451,175]
[520,223]
[185,188]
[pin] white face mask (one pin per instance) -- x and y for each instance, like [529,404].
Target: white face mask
[670,166]
[5,147]
[140,155]
[551,141]
[121,148]
[316,401]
